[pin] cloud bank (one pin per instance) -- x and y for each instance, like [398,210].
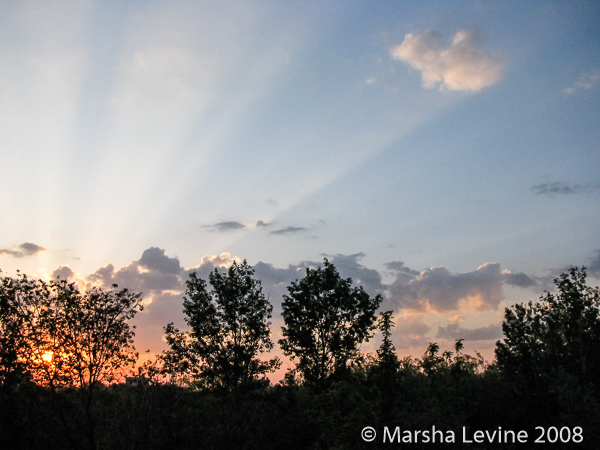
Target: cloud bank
[412,295]
[455,67]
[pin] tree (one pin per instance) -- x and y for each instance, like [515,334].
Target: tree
[561,332]
[550,355]
[326,320]
[62,337]
[57,336]
[386,354]
[229,329]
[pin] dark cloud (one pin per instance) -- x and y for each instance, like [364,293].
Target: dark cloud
[398,266]
[63,273]
[227,226]
[275,281]
[454,331]
[349,267]
[558,188]
[25,249]
[161,279]
[289,230]
[156,259]
[444,291]
[519,279]
[153,272]
[260,223]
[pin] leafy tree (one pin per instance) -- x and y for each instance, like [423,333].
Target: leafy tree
[60,337]
[63,337]
[386,354]
[560,332]
[550,355]
[229,330]
[326,320]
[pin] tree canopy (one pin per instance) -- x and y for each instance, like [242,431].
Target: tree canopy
[560,332]
[229,330]
[59,336]
[326,320]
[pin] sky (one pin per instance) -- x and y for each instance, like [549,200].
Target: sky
[442,154]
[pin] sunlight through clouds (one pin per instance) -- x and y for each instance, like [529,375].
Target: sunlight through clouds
[193,134]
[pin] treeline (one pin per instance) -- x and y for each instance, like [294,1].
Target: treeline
[64,355]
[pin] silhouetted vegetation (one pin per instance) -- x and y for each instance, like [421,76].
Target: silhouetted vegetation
[229,329]
[326,320]
[546,372]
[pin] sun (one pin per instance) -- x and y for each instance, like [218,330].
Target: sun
[47,356]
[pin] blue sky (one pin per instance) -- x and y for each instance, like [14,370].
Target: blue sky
[446,154]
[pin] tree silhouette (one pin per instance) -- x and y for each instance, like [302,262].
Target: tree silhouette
[61,337]
[229,329]
[560,332]
[551,355]
[326,320]
[386,354]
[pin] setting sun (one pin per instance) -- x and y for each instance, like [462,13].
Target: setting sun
[47,356]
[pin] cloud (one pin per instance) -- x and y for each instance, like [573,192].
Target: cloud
[558,188]
[519,279]
[226,226]
[25,249]
[349,267]
[275,281]
[455,67]
[409,331]
[289,230]
[455,331]
[153,272]
[398,266]
[586,81]
[261,223]
[64,273]
[210,262]
[439,290]
[156,259]
[161,280]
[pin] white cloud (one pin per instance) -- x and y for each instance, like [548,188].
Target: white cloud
[457,67]
[586,81]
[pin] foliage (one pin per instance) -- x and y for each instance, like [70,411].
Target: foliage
[60,336]
[326,320]
[229,330]
[559,333]
[551,355]
[545,377]
[386,354]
